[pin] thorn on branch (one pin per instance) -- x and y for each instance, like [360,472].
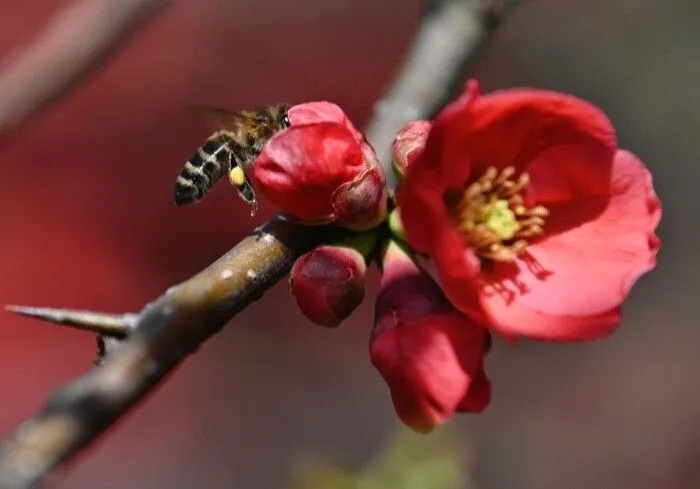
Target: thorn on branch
[112,325]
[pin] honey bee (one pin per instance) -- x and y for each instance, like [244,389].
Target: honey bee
[232,149]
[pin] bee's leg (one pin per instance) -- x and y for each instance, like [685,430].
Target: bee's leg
[247,193]
[238,179]
[229,159]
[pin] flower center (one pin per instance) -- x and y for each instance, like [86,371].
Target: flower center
[492,216]
[500,220]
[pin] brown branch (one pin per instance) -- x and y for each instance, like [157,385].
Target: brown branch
[167,330]
[177,323]
[77,42]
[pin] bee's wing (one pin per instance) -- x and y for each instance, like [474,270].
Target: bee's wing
[223,119]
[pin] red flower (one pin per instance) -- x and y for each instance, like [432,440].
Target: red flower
[430,355]
[538,223]
[321,170]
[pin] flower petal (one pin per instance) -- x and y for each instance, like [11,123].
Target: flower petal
[361,204]
[315,112]
[460,272]
[573,182]
[423,211]
[511,127]
[570,285]
[478,397]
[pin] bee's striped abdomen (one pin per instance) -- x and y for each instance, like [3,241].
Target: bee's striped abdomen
[211,161]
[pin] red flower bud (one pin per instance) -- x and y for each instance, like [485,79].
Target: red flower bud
[430,355]
[408,144]
[321,170]
[328,283]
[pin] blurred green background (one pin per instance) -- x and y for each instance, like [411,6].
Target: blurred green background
[88,221]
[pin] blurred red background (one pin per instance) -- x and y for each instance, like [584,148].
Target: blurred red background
[89,222]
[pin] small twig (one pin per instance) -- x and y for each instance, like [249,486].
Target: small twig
[449,39]
[167,330]
[78,41]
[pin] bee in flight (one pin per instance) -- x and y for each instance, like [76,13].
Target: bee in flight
[232,150]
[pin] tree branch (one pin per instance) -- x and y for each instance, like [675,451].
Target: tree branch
[77,42]
[165,331]
[177,323]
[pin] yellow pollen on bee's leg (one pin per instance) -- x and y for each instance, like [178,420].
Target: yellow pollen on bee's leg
[236,176]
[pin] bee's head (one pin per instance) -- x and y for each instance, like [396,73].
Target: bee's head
[283,110]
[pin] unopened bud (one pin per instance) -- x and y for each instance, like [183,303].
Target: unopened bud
[328,283]
[361,204]
[408,145]
[321,170]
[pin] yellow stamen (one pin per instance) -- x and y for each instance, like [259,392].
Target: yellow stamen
[493,218]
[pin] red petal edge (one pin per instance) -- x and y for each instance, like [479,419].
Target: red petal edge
[315,112]
[570,285]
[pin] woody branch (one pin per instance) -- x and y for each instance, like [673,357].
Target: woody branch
[177,323]
[159,338]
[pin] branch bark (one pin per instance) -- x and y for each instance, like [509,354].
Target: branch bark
[165,331]
[178,322]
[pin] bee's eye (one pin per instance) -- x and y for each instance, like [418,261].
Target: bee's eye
[285,120]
